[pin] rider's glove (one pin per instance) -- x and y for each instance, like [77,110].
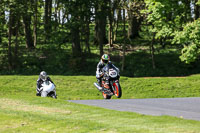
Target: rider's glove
[98,74]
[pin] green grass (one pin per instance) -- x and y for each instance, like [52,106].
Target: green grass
[22,111]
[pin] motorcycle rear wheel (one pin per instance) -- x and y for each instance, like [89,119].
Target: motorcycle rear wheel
[117,90]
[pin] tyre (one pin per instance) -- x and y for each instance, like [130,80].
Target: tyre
[105,96]
[117,90]
[54,96]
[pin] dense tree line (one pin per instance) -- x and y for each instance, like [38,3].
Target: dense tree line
[28,24]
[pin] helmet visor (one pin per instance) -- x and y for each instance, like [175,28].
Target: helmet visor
[105,61]
[43,77]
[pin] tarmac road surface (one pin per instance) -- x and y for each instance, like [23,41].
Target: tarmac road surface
[187,108]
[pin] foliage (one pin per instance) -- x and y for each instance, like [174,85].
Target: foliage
[190,38]
[60,29]
[164,17]
[167,62]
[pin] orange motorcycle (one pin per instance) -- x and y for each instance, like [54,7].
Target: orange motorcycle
[110,82]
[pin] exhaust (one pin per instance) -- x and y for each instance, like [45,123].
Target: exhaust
[98,87]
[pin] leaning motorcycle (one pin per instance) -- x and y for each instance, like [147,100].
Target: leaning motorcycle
[110,82]
[48,89]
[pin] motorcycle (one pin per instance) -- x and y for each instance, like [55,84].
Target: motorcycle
[48,89]
[110,82]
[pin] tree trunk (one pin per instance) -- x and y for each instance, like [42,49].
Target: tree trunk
[27,25]
[100,26]
[59,16]
[116,11]
[9,48]
[116,29]
[152,51]
[119,16]
[57,3]
[10,38]
[187,10]
[63,18]
[196,10]
[27,31]
[16,61]
[47,25]
[76,47]
[135,18]
[35,23]
[134,26]
[2,20]
[100,36]
[110,33]
[124,43]
[87,35]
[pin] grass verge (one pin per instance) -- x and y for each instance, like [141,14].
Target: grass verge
[22,111]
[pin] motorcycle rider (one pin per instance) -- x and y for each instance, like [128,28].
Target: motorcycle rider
[105,59]
[42,78]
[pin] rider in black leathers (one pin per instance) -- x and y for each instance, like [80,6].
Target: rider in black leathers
[105,59]
[42,77]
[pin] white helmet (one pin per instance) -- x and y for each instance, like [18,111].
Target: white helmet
[43,75]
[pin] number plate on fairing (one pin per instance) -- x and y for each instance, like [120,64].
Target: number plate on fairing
[112,73]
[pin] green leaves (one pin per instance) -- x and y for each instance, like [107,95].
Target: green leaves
[189,53]
[190,38]
[168,18]
[164,16]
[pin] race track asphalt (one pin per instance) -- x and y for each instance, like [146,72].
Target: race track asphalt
[187,108]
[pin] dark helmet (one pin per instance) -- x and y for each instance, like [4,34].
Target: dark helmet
[105,58]
[43,75]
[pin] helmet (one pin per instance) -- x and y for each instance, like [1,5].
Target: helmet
[43,75]
[105,58]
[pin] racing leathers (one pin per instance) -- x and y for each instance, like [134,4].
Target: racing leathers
[39,85]
[100,66]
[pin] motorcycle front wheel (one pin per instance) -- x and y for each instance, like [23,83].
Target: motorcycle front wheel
[53,95]
[117,90]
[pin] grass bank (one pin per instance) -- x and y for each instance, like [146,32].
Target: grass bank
[22,111]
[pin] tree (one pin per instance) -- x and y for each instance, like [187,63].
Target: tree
[135,17]
[2,19]
[26,15]
[13,26]
[189,37]
[35,22]
[100,23]
[196,9]
[86,15]
[10,32]
[124,45]
[47,18]
[75,27]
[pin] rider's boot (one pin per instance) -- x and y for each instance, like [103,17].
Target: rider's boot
[99,83]
[98,87]
[38,94]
